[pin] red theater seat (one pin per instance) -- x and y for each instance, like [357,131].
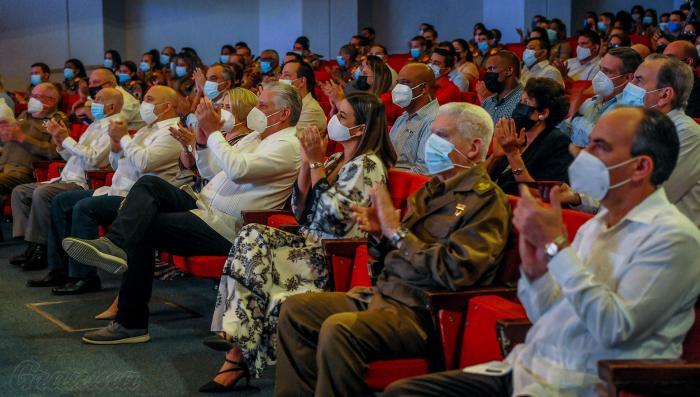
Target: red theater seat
[517,48]
[398,61]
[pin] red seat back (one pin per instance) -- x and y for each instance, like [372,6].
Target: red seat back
[469,97]
[517,48]
[573,42]
[398,61]
[640,39]
[402,185]
[509,269]
[77,130]
[691,344]
[573,220]
[55,168]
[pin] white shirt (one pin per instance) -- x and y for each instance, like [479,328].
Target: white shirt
[312,114]
[132,110]
[625,292]
[579,71]
[541,69]
[253,174]
[151,151]
[683,187]
[89,153]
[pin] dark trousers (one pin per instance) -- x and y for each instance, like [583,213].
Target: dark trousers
[452,383]
[325,341]
[78,214]
[155,215]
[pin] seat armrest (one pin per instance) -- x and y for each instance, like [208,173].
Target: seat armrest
[260,216]
[293,229]
[459,300]
[651,377]
[511,332]
[344,247]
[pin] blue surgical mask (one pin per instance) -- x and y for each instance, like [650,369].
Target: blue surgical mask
[108,63]
[552,35]
[357,73]
[144,66]
[68,73]
[211,89]
[483,46]
[674,27]
[97,110]
[663,26]
[415,52]
[36,79]
[647,20]
[180,71]
[437,159]
[266,66]
[602,26]
[223,58]
[633,95]
[164,59]
[123,78]
[529,57]
[341,61]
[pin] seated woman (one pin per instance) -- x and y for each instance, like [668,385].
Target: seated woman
[183,82]
[267,265]
[73,74]
[129,80]
[529,147]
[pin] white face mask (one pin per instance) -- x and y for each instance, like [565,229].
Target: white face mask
[338,132]
[402,95]
[148,114]
[603,85]
[590,176]
[582,53]
[34,106]
[257,120]
[228,119]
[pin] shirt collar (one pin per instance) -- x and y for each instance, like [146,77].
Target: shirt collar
[539,65]
[644,212]
[428,109]
[514,91]
[675,113]
[159,125]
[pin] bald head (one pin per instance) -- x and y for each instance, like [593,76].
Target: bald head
[641,49]
[112,99]
[102,77]
[683,50]
[165,100]
[421,79]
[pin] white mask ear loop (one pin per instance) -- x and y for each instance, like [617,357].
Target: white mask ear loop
[626,181]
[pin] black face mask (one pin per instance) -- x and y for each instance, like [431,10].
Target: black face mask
[492,83]
[361,84]
[94,90]
[688,37]
[522,117]
[660,49]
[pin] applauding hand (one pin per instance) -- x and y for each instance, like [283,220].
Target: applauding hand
[313,145]
[184,135]
[208,117]
[507,138]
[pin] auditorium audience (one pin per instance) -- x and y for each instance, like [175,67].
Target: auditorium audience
[536,62]
[457,226]
[73,75]
[560,47]
[616,70]
[528,146]
[464,61]
[183,82]
[26,140]
[379,50]
[269,63]
[31,202]
[40,73]
[414,93]
[112,60]
[442,63]
[500,91]
[585,65]
[418,48]
[300,76]
[256,173]
[129,80]
[623,290]
[252,286]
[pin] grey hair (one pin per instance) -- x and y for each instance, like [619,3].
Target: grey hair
[675,74]
[286,97]
[472,121]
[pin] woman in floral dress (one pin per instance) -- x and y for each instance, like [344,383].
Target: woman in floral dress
[267,265]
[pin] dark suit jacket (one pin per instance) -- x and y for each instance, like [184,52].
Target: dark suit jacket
[546,159]
[457,233]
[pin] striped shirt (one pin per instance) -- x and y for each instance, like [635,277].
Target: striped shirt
[409,134]
[504,107]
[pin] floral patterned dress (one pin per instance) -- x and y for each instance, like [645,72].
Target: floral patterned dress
[267,265]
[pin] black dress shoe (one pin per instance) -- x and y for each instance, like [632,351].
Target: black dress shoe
[82,286]
[38,259]
[18,260]
[55,278]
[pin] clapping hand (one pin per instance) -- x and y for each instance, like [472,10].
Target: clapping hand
[333,91]
[367,219]
[562,67]
[57,130]
[313,145]
[388,216]
[507,138]
[481,91]
[184,135]
[117,130]
[199,80]
[208,117]
[12,132]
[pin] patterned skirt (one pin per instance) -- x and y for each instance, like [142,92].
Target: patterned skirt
[264,267]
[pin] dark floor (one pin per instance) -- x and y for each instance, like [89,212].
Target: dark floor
[40,357]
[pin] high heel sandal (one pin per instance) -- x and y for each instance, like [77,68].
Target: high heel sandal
[215,387]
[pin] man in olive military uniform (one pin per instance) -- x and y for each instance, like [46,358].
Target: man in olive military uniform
[451,238]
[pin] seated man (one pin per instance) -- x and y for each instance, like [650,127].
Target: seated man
[299,75]
[536,62]
[624,290]
[219,78]
[104,78]
[451,238]
[26,139]
[442,62]
[258,172]
[616,70]
[585,65]
[500,91]
[419,49]
[31,202]
[413,93]
[151,151]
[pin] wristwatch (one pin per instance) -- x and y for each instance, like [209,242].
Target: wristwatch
[518,171]
[315,165]
[189,149]
[398,235]
[553,248]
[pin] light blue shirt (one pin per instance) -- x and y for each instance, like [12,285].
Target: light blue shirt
[409,134]
[457,79]
[620,292]
[581,124]
[683,187]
